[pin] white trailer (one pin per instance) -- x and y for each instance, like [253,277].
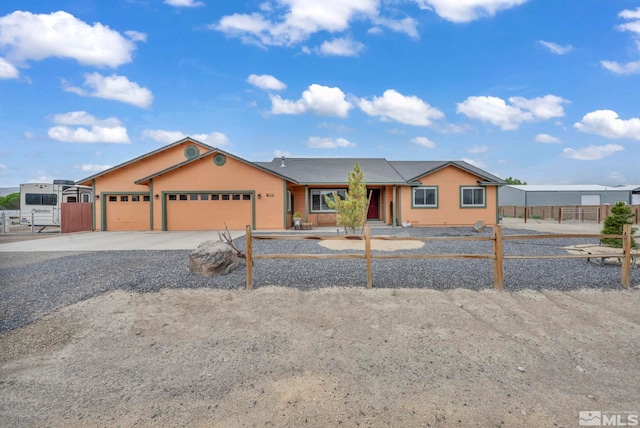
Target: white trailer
[40,202]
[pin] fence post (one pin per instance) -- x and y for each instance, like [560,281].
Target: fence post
[4,222]
[367,253]
[32,221]
[626,264]
[248,260]
[498,270]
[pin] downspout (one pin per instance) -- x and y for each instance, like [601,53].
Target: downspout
[286,202]
[306,204]
[394,222]
[151,204]
[93,208]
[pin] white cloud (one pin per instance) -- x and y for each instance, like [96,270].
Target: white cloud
[92,167]
[607,123]
[409,26]
[341,47]
[633,26]
[631,67]
[409,110]
[328,143]
[592,152]
[617,68]
[547,139]
[114,87]
[7,70]
[509,117]
[25,36]
[184,3]
[542,108]
[81,127]
[478,164]
[320,100]
[290,22]
[267,82]
[83,118]
[163,136]
[478,149]
[556,48]
[467,10]
[215,139]
[96,134]
[424,142]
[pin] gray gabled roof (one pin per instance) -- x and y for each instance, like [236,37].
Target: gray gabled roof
[146,155]
[376,170]
[412,170]
[334,170]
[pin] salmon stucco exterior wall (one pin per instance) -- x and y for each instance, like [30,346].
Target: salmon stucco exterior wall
[121,180]
[188,185]
[203,176]
[449,210]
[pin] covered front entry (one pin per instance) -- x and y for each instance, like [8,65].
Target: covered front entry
[207,211]
[126,212]
[373,213]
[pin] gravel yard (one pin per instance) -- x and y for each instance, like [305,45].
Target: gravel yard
[124,338]
[35,284]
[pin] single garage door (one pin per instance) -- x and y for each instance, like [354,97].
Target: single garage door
[127,212]
[209,211]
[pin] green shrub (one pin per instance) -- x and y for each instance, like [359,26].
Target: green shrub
[621,214]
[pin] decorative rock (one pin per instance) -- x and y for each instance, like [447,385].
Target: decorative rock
[479,226]
[213,258]
[521,369]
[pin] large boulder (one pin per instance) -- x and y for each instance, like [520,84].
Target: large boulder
[479,226]
[213,258]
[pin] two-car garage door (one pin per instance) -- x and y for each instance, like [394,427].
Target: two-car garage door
[208,211]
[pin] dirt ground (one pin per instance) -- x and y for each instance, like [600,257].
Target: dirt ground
[330,357]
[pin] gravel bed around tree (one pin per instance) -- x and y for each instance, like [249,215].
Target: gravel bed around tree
[35,284]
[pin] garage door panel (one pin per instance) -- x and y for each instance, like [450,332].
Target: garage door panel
[208,214]
[127,214]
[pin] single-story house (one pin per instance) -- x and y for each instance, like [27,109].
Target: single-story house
[188,185]
[558,195]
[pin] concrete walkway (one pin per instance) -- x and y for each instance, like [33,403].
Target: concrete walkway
[115,241]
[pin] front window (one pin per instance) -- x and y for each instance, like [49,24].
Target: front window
[473,196]
[318,202]
[425,197]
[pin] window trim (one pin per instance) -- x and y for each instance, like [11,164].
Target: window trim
[484,197]
[322,193]
[421,206]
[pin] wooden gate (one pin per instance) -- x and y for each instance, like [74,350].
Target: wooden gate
[76,217]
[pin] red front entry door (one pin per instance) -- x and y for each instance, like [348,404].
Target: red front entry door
[374,205]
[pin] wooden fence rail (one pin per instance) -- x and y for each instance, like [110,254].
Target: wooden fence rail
[497,255]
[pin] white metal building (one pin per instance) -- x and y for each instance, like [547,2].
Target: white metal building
[567,194]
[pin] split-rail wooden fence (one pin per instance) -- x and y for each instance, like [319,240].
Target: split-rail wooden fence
[497,255]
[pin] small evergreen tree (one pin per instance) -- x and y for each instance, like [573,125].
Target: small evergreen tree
[351,212]
[621,214]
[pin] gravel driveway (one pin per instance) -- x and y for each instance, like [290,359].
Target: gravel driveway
[35,284]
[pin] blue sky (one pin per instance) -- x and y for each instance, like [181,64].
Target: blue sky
[546,91]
